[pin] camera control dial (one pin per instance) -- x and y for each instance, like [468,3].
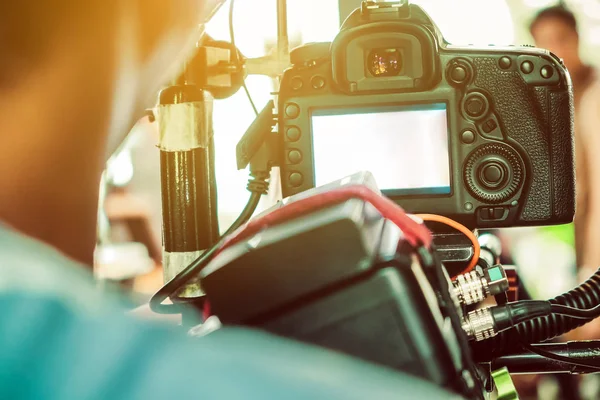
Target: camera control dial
[494,173]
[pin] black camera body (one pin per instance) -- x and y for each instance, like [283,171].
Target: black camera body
[481,135]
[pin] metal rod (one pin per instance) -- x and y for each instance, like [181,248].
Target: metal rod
[188,182]
[283,42]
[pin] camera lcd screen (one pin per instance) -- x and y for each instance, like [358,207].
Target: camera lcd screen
[405,148]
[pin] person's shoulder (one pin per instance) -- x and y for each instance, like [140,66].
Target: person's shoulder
[109,355]
[29,266]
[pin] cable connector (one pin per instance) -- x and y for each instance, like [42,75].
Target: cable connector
[485,323]
[474,287]
[479,325]
[258,185]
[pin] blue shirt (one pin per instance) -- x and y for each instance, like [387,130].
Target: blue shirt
[61,338]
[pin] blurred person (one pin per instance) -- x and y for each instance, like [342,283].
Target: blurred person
[555,29]
[74,77]
[569,253]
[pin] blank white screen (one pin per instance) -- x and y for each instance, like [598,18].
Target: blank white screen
[405,149]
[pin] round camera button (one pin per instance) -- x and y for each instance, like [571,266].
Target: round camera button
[297,83]
[318,82]
[467,136]
[546,72]
[292,110]
[505,62]
[476,105]
[294,157]
[527,67]
[493,174]
[459,74]
[292,133]
[296,179]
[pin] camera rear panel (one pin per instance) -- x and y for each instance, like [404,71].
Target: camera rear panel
[508,136]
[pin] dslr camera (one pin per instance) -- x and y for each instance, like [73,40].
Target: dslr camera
[480,135]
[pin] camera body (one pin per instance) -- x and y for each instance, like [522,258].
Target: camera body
[481,135]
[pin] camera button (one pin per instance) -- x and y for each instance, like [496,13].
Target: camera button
[318,82]
[490,128]
[297,83]
[292,133]
[527,67]
[468,136]
[505,62]
[492,213]
[546,72]
[476,105]
[294,156]
[292,110]
[492,175]
[459,74]
[296,179]
[489,125]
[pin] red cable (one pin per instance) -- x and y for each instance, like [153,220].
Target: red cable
[415,232]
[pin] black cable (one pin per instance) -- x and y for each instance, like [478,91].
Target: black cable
[558,357]
[572,312]
[190,271]
[237,55]
[511,314]
[584,297]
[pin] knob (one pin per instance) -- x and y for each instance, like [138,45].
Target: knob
[494,173]
[546,72]
[292,110]
[459,72]
[505,62]
[476,105]
[527,67]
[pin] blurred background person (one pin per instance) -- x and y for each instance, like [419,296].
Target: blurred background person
[555,29]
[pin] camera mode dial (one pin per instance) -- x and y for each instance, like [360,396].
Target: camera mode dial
[494,173]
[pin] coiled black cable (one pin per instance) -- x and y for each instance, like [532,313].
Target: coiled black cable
[584,296]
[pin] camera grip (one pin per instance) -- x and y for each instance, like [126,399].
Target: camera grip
[548,141]
[563,161]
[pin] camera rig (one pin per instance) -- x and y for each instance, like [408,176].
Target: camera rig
[432,288]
